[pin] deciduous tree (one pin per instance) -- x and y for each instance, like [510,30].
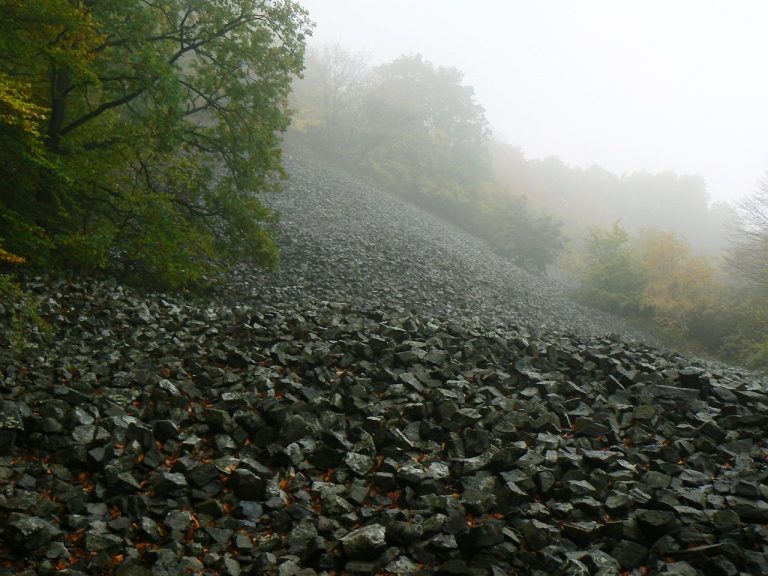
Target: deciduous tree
[150,126]
[609,277]
[748,256]
[677,283]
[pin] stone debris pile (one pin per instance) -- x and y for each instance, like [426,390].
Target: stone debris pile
[343,241]
[157,436]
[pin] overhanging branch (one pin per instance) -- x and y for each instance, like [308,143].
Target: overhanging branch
[100,110]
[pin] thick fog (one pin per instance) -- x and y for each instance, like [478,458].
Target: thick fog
[651,86]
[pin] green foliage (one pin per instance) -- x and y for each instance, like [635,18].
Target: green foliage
[514,230]
[420,114]
[654,277]
[143,131]
[415,129]
[743,323]
[677,285]
[609,277]
[19,316]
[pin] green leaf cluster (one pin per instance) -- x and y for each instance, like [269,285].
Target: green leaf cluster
[610,277]
[19,316]
[136,135]
[655,278]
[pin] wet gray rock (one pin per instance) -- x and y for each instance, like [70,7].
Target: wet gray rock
[629,554]
[29,532]
[384,415]
[365,542]
[247,485]
[167,483]
[657,522]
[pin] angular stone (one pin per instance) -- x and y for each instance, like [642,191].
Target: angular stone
[11,417]
[486,535]
[405,533]
[30,533]
[202,475]
[141,434]
[538,534]
[165,430]
[99,542]
[169,483]
[580,488]
[178,520]
[458,567]
[657,522]
[247,485]
[402,565]
[294,428]
[675,393]
[629,554]
[365,542]
[581,532]
[726,521]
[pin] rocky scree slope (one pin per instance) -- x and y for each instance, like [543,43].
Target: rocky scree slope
[154,436]
[341,240]
[271,432]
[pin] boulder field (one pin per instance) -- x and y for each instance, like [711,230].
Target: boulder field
[394,400]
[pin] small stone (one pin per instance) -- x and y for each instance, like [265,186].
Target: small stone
[538,534]
[680,569]
[29,532]
[629,554]
[694,478]
[360,464]
[618,503]
[726,521]
[458,567]
[202,475]
[98,542]
[178,520]
[365,542]
[482,536]
[246,485]
[294,428]
[581,488]
[141,434]
[84,434]
[168,483]
[602,563]
[657,480]
[581,532]
[657,522]
[404,533]
[165,430]
[402,565]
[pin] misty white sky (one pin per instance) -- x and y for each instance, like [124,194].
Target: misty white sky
[658,85]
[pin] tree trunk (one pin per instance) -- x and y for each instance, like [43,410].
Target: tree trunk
[60,85]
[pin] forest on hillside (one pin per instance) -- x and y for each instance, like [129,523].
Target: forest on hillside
[136,140]
[651,247]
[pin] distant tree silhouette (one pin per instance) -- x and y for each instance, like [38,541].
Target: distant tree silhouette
[748,256]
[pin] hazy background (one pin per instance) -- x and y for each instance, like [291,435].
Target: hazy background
[656,85]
